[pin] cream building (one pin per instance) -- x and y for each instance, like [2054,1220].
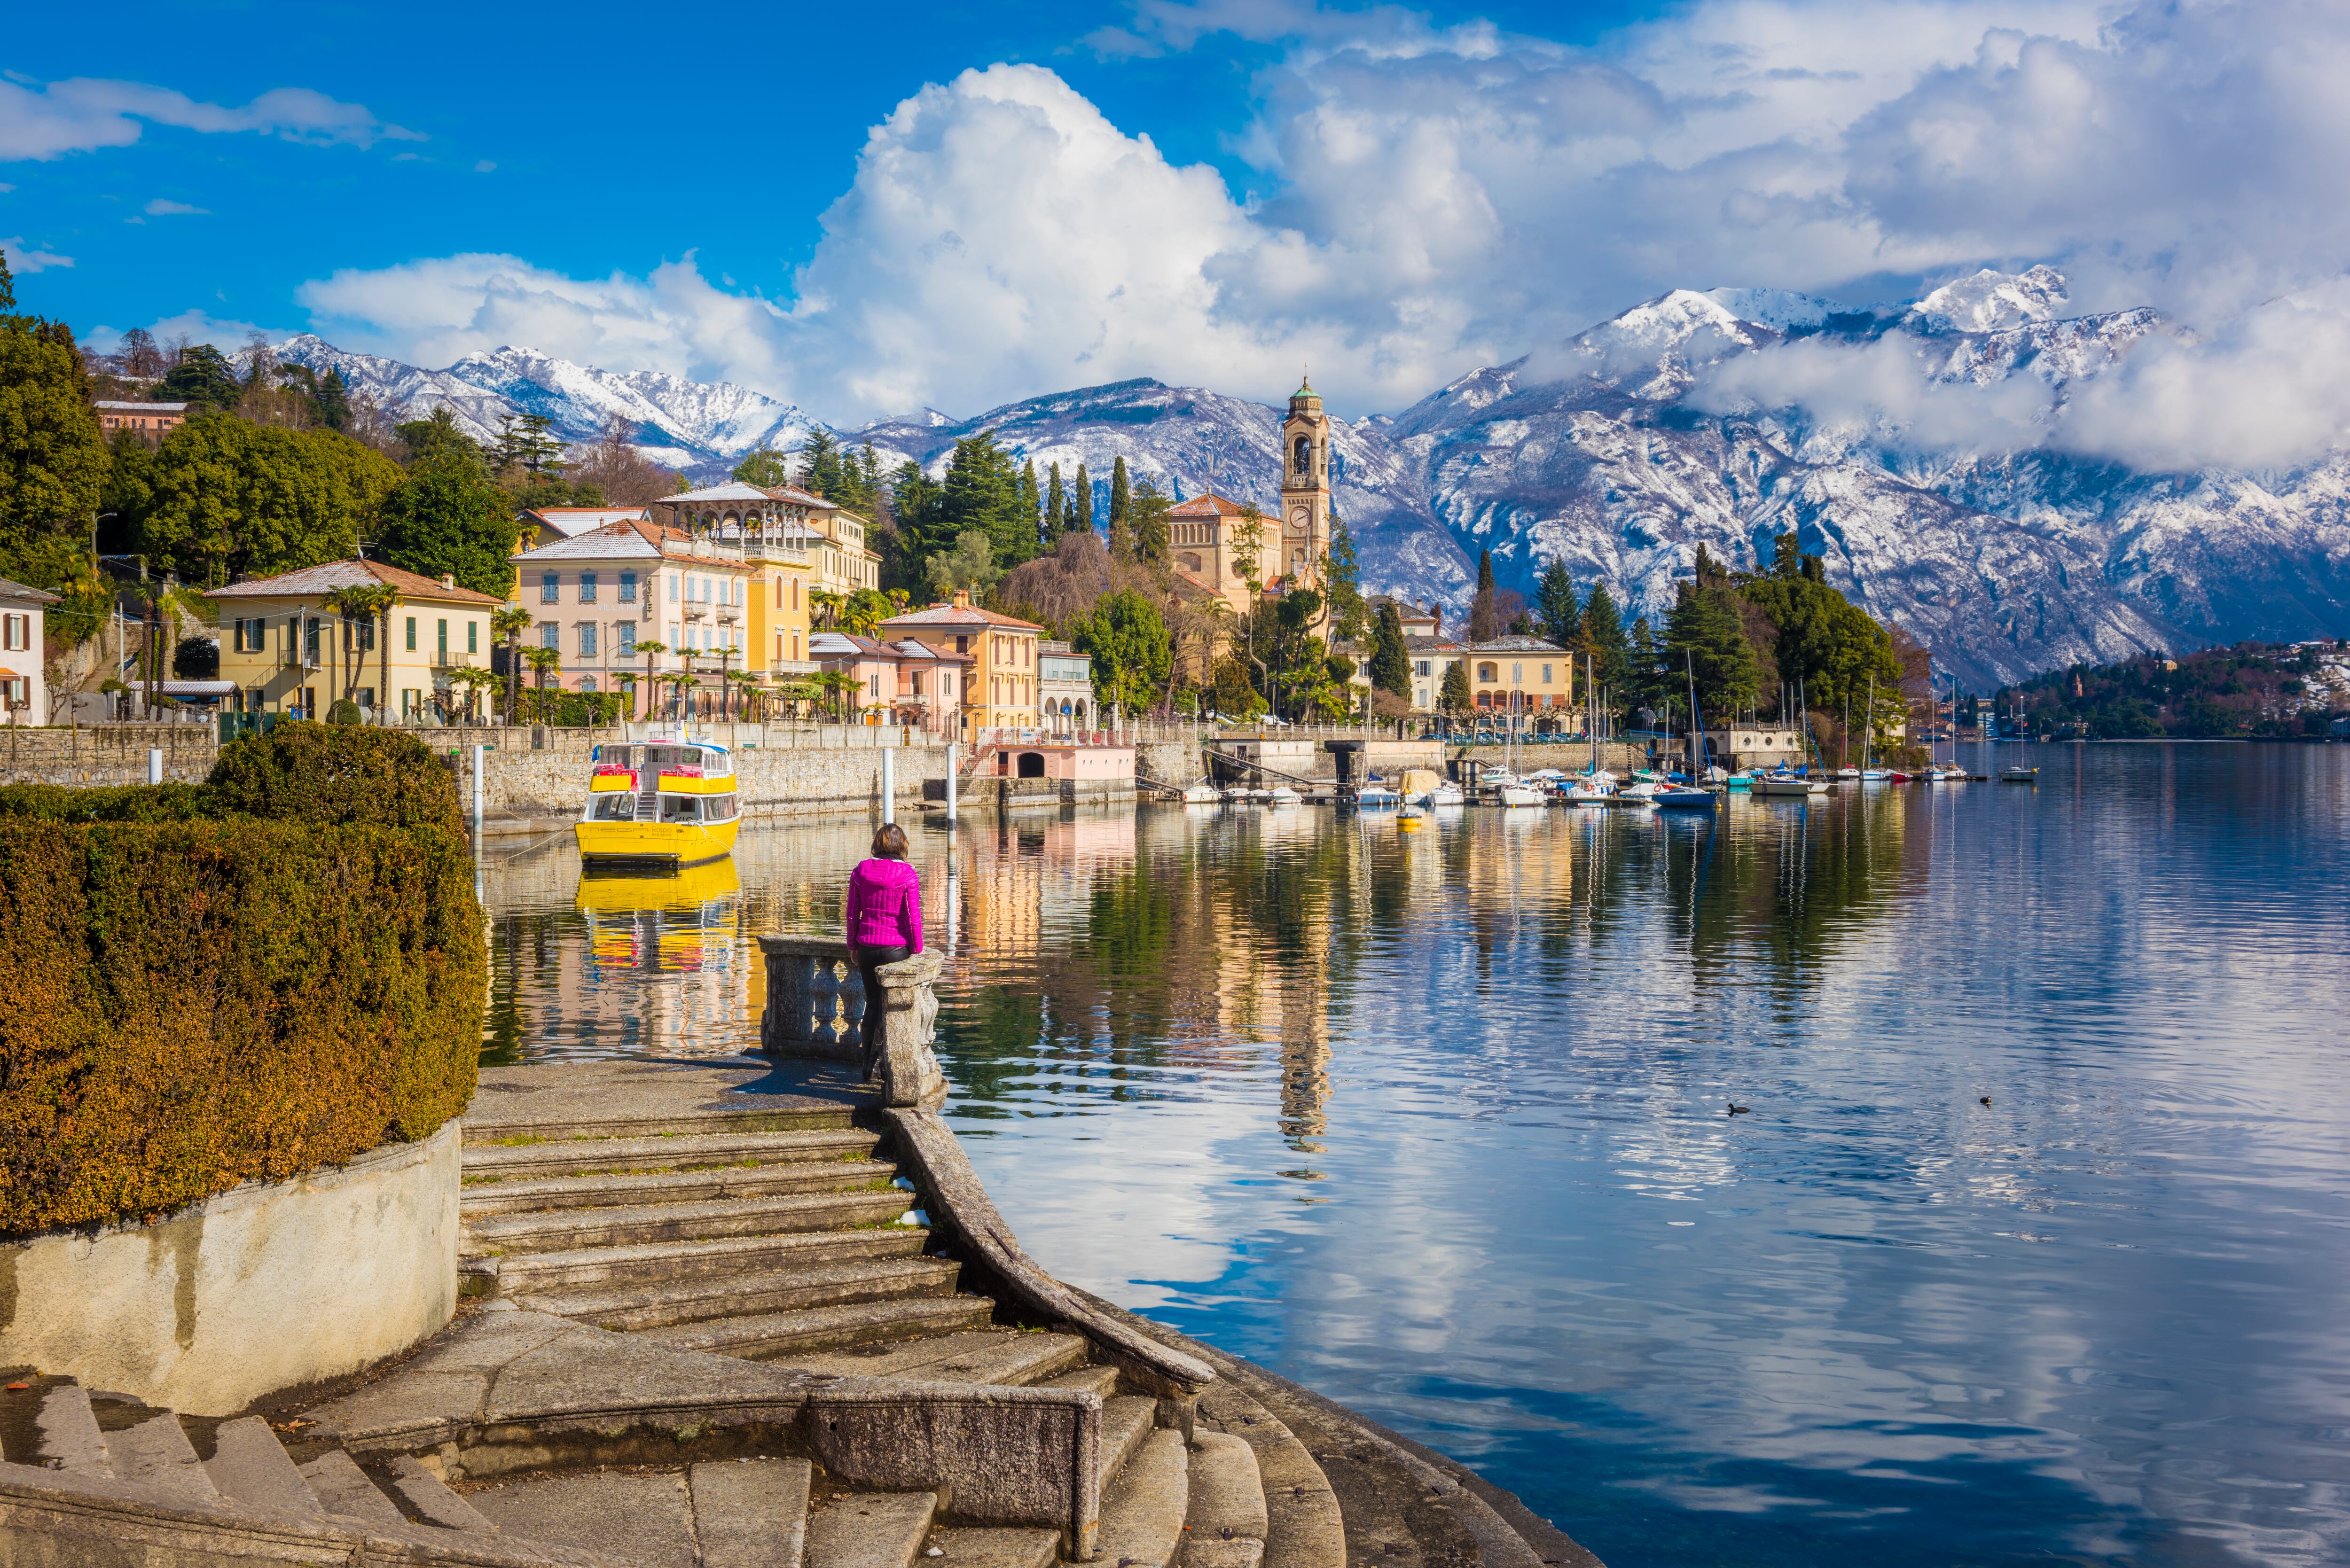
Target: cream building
[1000,689]
[287,652]
[778,534]
[1520,675]
[23,683]
[597,595]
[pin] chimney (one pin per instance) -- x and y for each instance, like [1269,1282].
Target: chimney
[448,580]
[962,598]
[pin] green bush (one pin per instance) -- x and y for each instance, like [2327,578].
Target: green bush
[202,996]
[343,711]
[317,773]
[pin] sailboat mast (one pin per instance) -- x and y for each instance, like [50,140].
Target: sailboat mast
[1697,724]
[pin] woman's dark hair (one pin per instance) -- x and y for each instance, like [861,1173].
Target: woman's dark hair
[889,842]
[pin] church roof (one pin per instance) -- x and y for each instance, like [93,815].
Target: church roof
[1206,503]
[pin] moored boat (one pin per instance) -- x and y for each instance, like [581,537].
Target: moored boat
[1776,786]
[1202,794]
[2019,775]
[1520,794]
[1681,796]
[658,802]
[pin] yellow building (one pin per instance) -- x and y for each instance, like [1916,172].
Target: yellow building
[1520,675]
[1000,691]
[289,653]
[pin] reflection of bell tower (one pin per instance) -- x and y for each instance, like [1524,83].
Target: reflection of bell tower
[1304,489]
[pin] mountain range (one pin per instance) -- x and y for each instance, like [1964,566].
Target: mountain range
[1619,453]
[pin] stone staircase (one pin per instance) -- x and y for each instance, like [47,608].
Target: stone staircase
[791,1237]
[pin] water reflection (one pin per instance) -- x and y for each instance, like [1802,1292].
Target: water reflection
[1435,1123]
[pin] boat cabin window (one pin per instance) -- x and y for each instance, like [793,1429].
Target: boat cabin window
[681,808]
[615,807]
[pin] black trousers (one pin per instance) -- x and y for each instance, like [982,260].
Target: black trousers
[867,960]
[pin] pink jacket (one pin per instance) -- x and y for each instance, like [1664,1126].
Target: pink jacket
[885,905]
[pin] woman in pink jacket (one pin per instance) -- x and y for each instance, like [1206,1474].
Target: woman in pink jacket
[884,923]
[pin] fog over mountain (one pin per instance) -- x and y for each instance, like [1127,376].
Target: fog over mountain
[2017,485]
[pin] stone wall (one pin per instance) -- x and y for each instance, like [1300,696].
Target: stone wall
[267,1286]
[1571,757]
[106,753]
[534,791]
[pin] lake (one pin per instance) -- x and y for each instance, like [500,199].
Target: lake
[1436,1124]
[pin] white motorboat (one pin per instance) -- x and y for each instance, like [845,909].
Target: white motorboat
[1586,791]
[1202,795]
[1520,794]
[1848,774]
[1446,793]
[1777,786]
[1639,792]
[1377,796]
[1282,795]
[2019,775]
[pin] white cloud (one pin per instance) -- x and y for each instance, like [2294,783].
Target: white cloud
[22,260]
[1446,197]
[160,208]
[81,115]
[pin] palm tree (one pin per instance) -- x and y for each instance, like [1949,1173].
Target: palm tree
[839,683]
[680,682]
[507,624]
[748,684]
[346,603]
[473,679]
[380,600]
[826,604]
[540,660]
[724,654]
[651,651]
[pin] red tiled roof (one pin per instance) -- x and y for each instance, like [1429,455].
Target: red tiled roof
[1206,503]
[948,614]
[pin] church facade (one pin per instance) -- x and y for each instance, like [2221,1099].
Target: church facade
[1213,542]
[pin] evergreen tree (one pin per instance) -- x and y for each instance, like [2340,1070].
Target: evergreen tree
[1342,577]
[202,378]
[1706,637]
[820,466]
[447,516]
[230,496]
[1121,538]
[1555,606]
[765,467]
[9,291]
[53,464]
[333,401]
[1032,504]
[1132,653]
[1454,696]
[1147,510]
[1485,622]
[1602,637]
[1056,504]
[428,440]
[1082,518]
[1390,660]
[526,442]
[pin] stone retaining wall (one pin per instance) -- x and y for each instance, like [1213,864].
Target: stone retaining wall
[530,790]
[1571,757]
[106,753]
[267,1286]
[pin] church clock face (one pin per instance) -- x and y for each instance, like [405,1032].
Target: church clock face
[1299,522]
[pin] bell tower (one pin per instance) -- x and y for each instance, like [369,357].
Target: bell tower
[1305,492]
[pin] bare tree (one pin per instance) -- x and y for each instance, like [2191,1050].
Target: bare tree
[141,358]
[626,476]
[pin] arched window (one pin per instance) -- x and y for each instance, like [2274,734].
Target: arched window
[1487,673]
[1302,456]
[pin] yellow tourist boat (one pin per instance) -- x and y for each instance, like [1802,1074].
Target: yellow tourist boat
[658,802]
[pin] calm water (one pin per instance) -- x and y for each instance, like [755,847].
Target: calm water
[1435,1123]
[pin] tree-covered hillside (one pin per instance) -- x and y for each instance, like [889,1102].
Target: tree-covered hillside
[2252,691]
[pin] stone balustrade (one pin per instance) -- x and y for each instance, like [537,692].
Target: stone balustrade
[815,1008]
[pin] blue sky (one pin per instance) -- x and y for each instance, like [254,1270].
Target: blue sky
[868,210]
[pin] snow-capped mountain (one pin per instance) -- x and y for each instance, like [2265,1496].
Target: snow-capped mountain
[1625,449]
[696,426]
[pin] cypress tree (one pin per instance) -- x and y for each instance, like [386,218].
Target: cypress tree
[1032,503]
[1455,697]
[1484,571]
[1081,520]
[1118,496]
[1602,637]
[1056,504]
[1390,666]
[1554,605]
[1484,624]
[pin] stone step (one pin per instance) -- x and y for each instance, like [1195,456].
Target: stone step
[740,1295]
[154,1451]
[771,1333]
[1224,1525]
[1126,1422]
[564,1230]
[581,1157]
[515,1134]
[871,1529]
[1101,1380]
[67,1433]
[249,1465]
[644,1520]
[655,1262]
[422,1497]
[751,1513]
[342,1488]
[1003,1356]
[546,1193]
[1143,1506]
[994,1548]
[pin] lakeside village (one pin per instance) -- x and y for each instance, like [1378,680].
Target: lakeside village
[293,1278]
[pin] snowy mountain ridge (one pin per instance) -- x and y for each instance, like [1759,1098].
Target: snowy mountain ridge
[1902,442]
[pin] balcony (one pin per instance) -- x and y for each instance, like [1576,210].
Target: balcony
[730,615]
[697,612]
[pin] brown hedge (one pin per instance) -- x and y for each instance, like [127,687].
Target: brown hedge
[199,1002]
